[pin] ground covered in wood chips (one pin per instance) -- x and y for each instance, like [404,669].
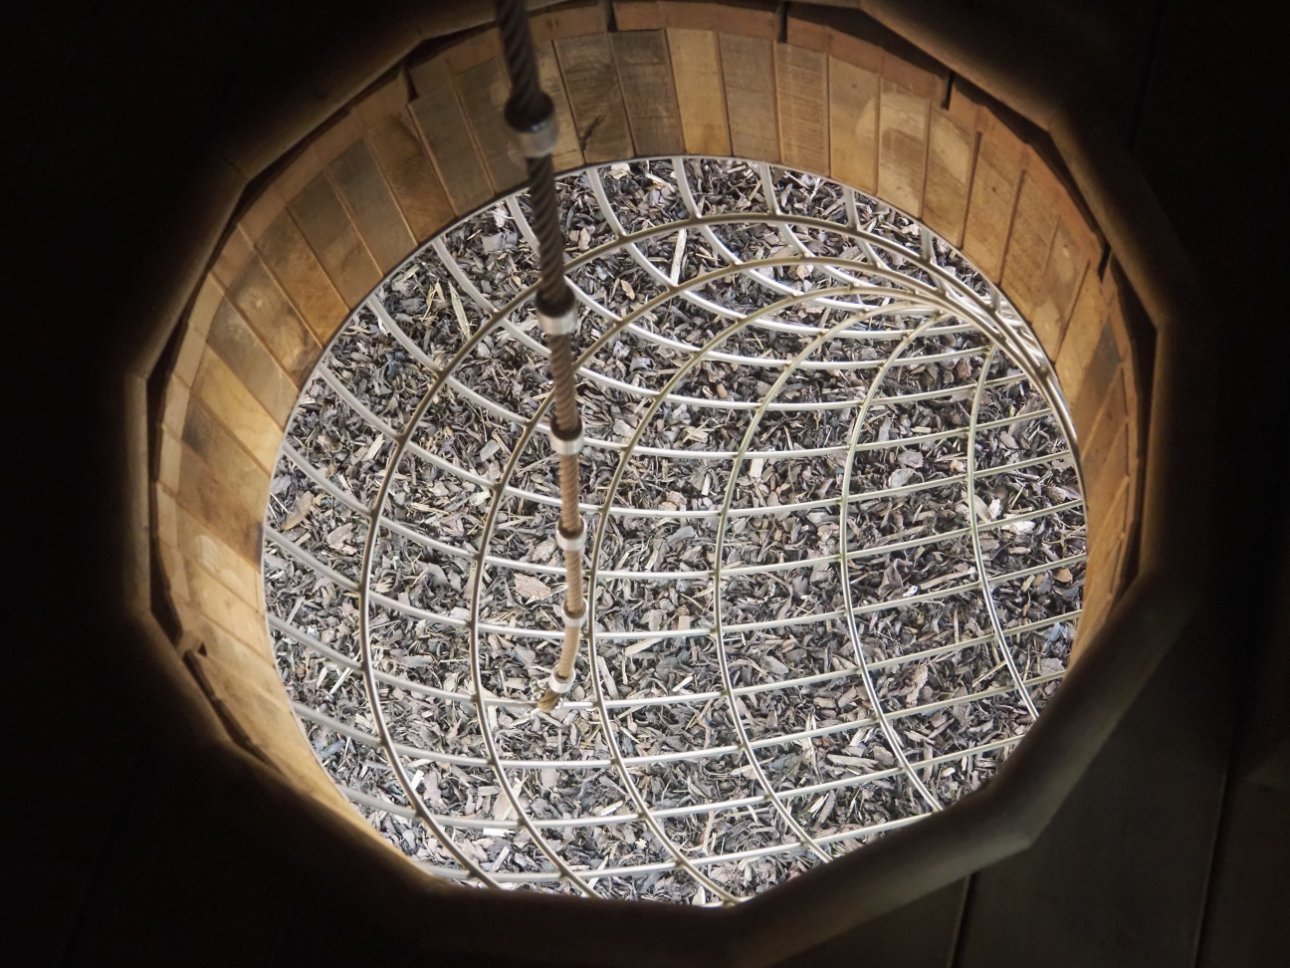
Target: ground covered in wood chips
[837,542]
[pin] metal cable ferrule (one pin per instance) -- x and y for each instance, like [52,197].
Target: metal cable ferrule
[534,133]
[559,686]
[566,443]
[571,541]
[561,323]
[574,620]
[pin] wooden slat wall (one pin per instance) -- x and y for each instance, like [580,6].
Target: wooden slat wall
[835,96]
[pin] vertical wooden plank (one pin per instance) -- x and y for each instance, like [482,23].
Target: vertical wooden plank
[237,409]
[748,69]
[802,83]
[1030,241]
[218,503]
[567,153]
[447,136]
[591,81]
[483,90]
[951,150]
[263,305]
[371,206]
[1081,335]
[247,356]
[571,19]
[196,327]
[330,233]
[215,601]
[1069,258]
[645,73]
[700,90]
[1000,155]
[410,174]
[853,125]
[229,459]
[295,266]
[903,118]
[1100,369]
[637,14]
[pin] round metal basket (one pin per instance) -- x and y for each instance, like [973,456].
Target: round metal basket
[835,546]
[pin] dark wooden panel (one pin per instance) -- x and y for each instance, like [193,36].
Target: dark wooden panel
[332,236]
[591,82]
[483,90]
[249,358]
[918,935]
[1119,876]
[696,64]
[410,175]
[802,77]
[263,305]
[293,263]
[372,207]
[748,66]
[645,72]
[445,131]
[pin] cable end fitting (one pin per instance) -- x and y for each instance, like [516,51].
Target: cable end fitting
[559,686]
[566,443]
[571,541]
[534,131]
[561,323]
[574,620]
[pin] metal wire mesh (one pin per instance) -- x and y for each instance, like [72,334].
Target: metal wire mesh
[836,538]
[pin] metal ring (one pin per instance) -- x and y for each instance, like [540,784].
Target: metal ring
[559,324]
[575,541]
[559,686]
[533,137]
[566,445]
[574,621]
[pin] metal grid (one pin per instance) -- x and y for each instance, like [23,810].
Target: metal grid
[415,645]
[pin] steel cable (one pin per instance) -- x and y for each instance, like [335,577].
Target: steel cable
[530,115]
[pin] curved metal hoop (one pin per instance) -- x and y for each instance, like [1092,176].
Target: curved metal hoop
[831,297]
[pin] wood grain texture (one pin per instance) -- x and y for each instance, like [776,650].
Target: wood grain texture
[567,153]
[297,269]
[447,137]
[271,316]
[1030,241]
[570,20]
[853,124]
[951,153]
[196,329]
[195,542]
[371,205]
[1072,254]
[219,504]
[748,69]
[226,458]
[591,82]
[1099,372]
[649,93]
[700,90]
[802,87]
[226,396]
[903,119]
[483,90]
[410,174]
[246,355]
[996,178]
[332,235]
